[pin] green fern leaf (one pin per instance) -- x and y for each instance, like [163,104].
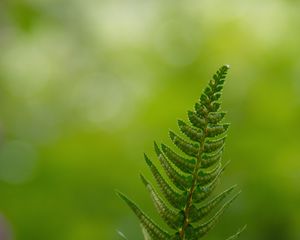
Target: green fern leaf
[203,211]
[180,181]
[205,227]
[196,120]
[202,192]
[194,176]
[210,159]
[192,133]
[206,176]
[184,164]
[172,218]
[152,228]
[190,149]
[176,199]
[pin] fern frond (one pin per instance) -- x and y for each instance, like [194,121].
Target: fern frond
[194,172]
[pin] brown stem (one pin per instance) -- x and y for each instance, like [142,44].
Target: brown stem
[192,189]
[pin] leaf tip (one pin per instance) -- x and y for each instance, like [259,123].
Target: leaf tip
[145,182]
[227,66]
[180,123]
[121,195]
[156,148]
[148,161]
[172,135]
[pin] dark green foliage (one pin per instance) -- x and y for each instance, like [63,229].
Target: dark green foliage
[186,206]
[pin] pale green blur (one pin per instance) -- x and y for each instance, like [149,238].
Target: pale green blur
[86,86]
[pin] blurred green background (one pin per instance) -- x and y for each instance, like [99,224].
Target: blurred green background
[86,86]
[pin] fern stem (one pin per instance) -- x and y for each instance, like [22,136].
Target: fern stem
[194,184]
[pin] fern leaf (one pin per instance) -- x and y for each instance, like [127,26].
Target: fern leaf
[145,233]
[192,133]
[152,228]
[203,211]
[206,227]
[196,120]
[202,192]
[172,218]
[211,146]
[215,130]
[186,147]
[180,181]
[215,117]
[206,176]
[210,159]
[176,199]
[194,173]
[184,164]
